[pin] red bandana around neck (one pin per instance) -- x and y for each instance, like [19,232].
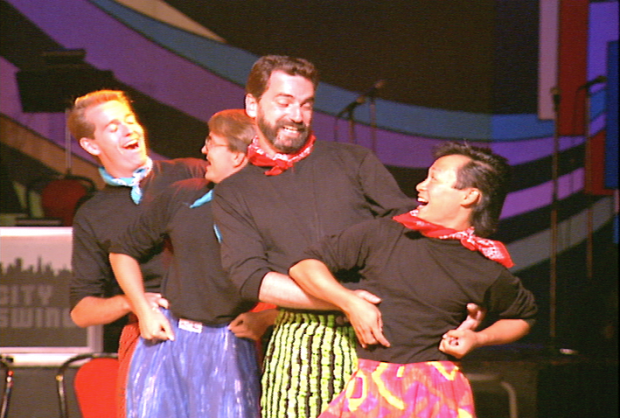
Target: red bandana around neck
[279,162]
[491,249]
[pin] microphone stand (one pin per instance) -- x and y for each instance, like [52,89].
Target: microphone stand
[588,188]
[370,96]
[349,112]
[351,127]
[373,124]
[554,224]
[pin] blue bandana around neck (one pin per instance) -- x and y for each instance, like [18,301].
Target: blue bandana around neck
[133,181]
[201,201]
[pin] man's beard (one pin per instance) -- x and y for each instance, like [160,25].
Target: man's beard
[290,145]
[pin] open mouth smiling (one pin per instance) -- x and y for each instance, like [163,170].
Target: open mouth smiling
[132,145]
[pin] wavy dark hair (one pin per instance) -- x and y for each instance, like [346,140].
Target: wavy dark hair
[488,172]
[258,80]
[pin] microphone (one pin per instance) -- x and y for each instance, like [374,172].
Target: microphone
[361,99]
[372,92]
[597,80]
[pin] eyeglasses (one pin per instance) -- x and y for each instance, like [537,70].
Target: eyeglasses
[209,143]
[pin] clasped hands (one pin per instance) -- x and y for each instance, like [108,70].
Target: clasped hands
[365,317]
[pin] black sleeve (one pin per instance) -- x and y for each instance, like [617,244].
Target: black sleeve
[344,253]
[243,254]
[91,272]
[149,229]
[510,299]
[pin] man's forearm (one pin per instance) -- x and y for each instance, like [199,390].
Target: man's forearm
[129,277]
[315,278]
[281,290]
[93,310]
[504,331]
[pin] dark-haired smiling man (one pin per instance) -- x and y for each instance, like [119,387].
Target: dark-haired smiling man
[296,190]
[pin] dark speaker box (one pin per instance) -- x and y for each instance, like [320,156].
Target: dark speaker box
[54,89]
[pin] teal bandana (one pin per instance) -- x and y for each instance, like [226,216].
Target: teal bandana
[201,201]
[133,181]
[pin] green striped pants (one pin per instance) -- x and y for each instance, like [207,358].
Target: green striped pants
[309,359]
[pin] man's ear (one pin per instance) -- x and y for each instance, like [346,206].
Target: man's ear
[251,105]
[472,196]
[90,146]
[239,159]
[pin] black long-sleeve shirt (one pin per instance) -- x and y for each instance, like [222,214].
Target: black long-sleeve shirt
[195,284]
[105,216]
[266,222]
[424,284]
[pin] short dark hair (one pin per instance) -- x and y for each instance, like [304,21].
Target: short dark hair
[258,80]
[76,120]
[236,126]
[488,172]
